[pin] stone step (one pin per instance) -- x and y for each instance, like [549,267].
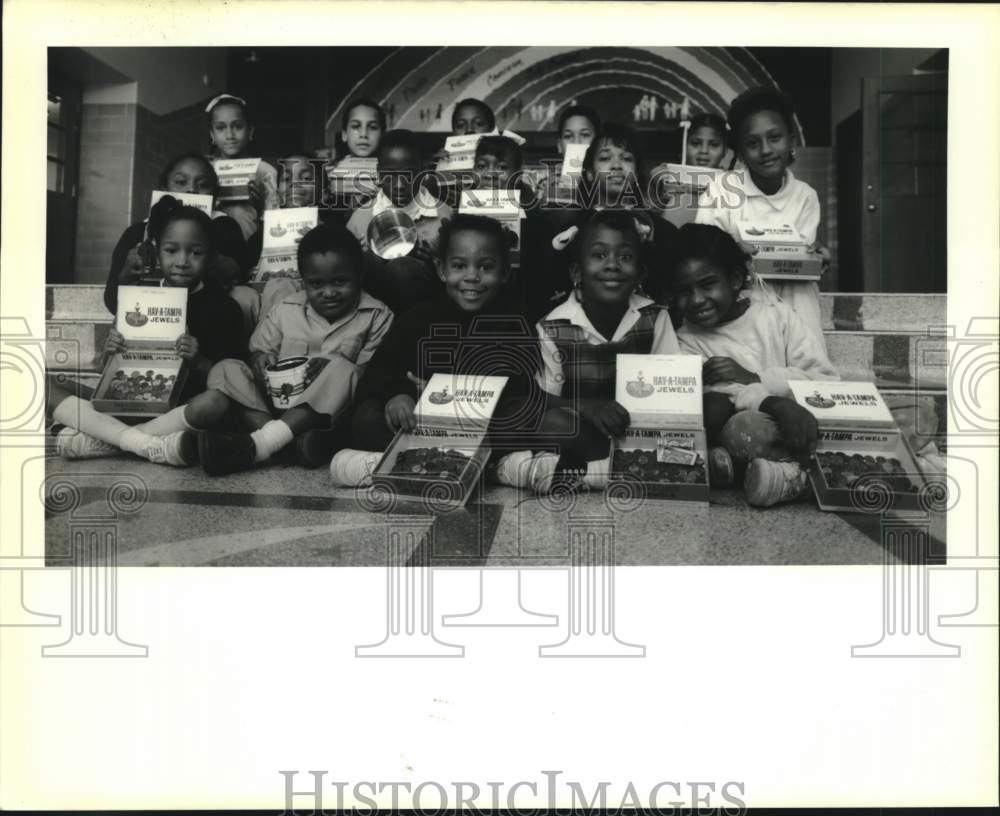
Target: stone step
[840,311]
[881,338]
[843,311]
[890,360]
[77,301]
[83,382]
[893,313]
[940,399]
[75,345]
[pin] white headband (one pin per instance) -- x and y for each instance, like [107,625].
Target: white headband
[224,98]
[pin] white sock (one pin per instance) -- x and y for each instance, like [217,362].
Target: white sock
[80,414]
[135,441]
[167,423]
[510,466]
[597,472]
[271,438]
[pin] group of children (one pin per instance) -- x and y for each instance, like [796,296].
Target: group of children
[607,276]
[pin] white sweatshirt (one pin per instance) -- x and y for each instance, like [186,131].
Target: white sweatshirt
[768,339]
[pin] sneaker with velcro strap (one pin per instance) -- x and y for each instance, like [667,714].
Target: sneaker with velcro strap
[179,449]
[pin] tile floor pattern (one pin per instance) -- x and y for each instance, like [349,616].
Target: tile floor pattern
[287,516]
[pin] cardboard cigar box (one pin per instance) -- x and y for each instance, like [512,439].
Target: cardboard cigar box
[688,179]
[782,255]
[562,188]
[858,440]
[147,378]
[443,458]
[201,202]
[678,188]
[504,206]
[234,176]
[460,153]
[572,166]
[283,230]
[353,176]
[664,446]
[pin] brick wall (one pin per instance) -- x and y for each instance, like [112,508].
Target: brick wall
[107,143]
[123,150]
[158,139]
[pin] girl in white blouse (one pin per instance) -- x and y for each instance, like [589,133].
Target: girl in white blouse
[767,192]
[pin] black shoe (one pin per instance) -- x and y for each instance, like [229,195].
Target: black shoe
[188,447]
[315,448]
[222,453]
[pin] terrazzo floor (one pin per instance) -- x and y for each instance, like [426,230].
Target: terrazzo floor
[287,516]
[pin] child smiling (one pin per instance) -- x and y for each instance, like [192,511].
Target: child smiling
[184,239]
[334,324]
[231,134]
[474,268]
[751,350]
[579,342]
[762,123]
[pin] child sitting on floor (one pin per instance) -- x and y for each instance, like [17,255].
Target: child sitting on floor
[335,324]
[184,240]
[401,282]
[751,350]
[580,341]
[473,267]
[133,258]
[762,124]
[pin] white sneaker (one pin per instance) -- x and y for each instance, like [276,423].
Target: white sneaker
[768,483]
[179,449]
[512,469]
[525,469]
[74,444]
[353,468]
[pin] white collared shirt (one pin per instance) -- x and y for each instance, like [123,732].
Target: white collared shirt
[739,199]
[551,376]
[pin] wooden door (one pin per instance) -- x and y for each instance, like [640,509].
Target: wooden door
[904,183]
[63,157]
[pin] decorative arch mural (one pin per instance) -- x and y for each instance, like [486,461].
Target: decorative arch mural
[528,85]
